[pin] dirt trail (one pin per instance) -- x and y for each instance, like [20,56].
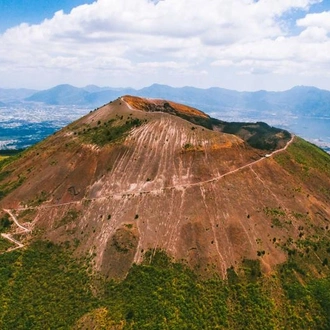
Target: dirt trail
[16,222]
[9,236]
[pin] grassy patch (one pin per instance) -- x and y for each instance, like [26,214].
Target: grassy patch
[108,132]
[4,244]
[274,211]
[5,223]
[8,158]
[8,187]
[38,200]
[4,175]
[306,155]
[276,222]
[277,216]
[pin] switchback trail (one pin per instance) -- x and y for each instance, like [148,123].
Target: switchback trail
[9,236]
[16,222]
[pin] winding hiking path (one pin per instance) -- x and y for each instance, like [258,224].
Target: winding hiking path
[246,165]
[9,236]
[16,221]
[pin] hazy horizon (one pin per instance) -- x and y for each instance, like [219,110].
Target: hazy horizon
[152,84]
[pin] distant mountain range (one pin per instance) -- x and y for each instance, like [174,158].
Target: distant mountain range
[15,95]
[300,100]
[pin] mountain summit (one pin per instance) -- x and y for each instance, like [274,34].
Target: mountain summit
[143,174]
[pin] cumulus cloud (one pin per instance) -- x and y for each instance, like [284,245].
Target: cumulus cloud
[319,20]
[184,36]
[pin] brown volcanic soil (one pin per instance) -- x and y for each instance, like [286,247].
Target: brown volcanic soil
[159,186]
[162,105]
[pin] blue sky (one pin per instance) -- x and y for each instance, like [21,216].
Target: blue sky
[14,12]
[236,44]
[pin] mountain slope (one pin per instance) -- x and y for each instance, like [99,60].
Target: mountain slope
[61,94]
[15,95]
[139,174]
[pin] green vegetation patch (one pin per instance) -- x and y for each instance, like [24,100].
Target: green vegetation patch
[8,187]
[5,223]
[38,200]
[277,216]
[4,175]
[160,294]
[307,155]
[108,132]
[7,157]
[42,288]
[274,211]
[310,155]
[306,292]
[257,135]
[4,244]
[10,152]
[3,157]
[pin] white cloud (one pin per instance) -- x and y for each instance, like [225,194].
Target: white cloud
[180,38]
[314,34]
[319,20]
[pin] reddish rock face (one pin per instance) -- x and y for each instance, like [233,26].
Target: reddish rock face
[136,175]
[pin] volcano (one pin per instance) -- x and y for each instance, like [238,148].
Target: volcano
[139,175]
